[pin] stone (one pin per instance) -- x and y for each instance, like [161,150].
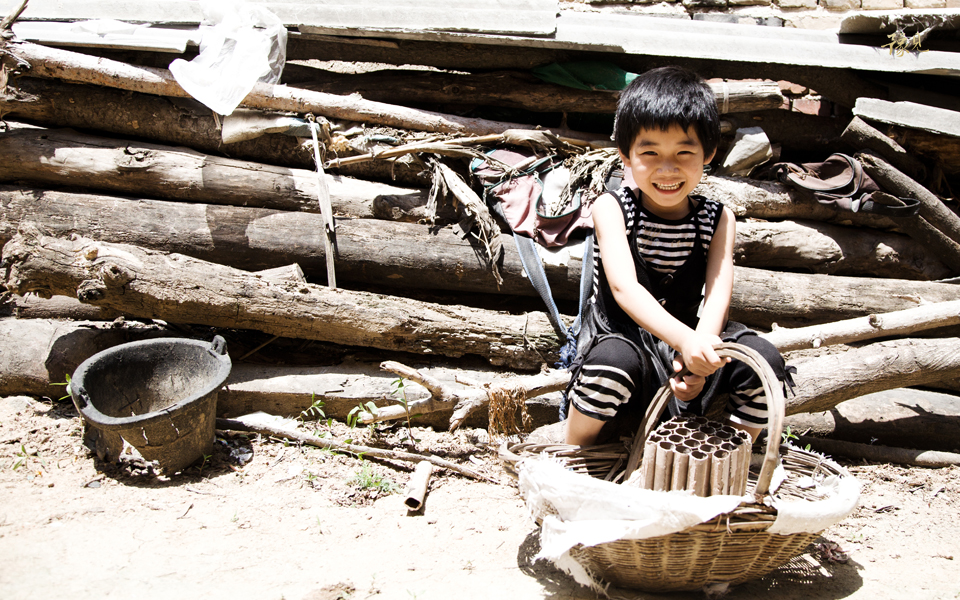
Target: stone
[881,4]
[840,4]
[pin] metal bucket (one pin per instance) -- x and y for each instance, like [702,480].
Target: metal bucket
[159,395]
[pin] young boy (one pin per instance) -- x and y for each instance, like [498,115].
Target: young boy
[661,250]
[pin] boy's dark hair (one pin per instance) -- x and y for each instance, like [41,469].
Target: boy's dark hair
[663,97]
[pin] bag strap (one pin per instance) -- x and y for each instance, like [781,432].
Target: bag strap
[877,203]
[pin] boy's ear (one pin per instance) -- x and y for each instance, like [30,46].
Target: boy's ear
[707,159]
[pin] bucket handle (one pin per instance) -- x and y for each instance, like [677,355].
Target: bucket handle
[218,345]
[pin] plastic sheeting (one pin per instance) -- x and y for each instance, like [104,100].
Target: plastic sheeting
[246,43]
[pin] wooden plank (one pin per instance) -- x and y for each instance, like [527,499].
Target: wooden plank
[637,34]
[908,114]
[157,39]
[510,17]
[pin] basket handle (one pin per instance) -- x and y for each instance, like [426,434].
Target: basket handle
[776,411]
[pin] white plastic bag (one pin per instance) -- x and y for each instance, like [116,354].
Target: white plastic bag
[246,44]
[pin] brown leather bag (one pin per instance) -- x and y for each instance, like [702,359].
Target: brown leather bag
[840,182]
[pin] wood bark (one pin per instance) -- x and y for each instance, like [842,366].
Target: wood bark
[180,289]
[73,67]
[68,158]
[513,89]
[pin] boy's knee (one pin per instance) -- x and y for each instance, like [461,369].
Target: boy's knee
[617,353]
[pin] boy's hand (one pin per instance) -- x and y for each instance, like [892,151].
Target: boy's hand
[686,387]
[698,355]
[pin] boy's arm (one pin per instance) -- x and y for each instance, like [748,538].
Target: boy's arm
[719,281]
[696,347]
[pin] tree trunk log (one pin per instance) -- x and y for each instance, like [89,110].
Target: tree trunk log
[186,123]
[369,251]
[762,298]
[821,383]
[816,247]
[898,184]
[862,136]
[176,122]
[180,289]
[826,381]
[512,89]
[901,417]
[412,256]
[772,200]
[68,158]
[883,454]
[918,228]
[53,63]
[894,324]
[38,354]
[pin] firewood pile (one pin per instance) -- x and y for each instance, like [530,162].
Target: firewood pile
[123,200]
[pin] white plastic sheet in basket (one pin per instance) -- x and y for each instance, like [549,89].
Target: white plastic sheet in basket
[805,516]
[579,509]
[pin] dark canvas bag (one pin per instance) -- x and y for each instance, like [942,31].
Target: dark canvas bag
[841,183]
[532,195]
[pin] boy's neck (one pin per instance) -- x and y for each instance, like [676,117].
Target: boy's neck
[669,213]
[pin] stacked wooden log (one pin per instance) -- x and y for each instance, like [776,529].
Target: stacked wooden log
[123,193]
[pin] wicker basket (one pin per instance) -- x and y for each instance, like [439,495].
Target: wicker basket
[729,549]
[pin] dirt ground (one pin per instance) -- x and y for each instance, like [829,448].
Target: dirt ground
[267,520]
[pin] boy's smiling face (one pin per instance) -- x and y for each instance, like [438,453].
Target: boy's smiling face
[666,166]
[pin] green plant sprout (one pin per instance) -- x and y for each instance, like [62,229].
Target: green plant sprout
[788,435]
[66,388]
[314,413]
[368,479]
[400,396]
[22,455]
[206,461]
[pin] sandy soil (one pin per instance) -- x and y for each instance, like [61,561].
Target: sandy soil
[268,520]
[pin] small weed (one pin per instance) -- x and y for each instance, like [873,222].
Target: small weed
[353,417]
[22,457]
[368,479]
[206,461]
[788,435]
[314,413]
[400,396]
[66,388]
